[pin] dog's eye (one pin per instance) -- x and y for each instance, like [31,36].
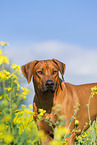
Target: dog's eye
[54,72]
[40,72]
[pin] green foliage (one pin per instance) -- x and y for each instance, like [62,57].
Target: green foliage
[16,125]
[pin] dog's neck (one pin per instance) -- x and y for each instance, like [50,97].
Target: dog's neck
[48,99]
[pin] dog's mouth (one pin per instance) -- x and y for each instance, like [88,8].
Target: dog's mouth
[49,90]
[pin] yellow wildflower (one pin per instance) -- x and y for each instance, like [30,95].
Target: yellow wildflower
[76,122]
[94,88]
[41,113]
[4,59]
[9,89]
[42,135]
[18,86]
[30,106]
[26,91]
[60,132]
[3,43]
[23,106]
[87,124]
[0,96]
[16,67]
[77,130]
[1,135]
[7,72]
[1,52]
[79,137]
[15,77]
[8,138]
[84,135]
[5,102]
[24,97]
[2,127]
[94,91]
[4,75]
[7,97]
[6,118]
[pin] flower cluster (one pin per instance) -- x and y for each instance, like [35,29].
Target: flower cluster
[3,44]
[13,121]
[41,113]
[94,90]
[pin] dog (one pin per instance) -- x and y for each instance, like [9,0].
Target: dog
[51,90]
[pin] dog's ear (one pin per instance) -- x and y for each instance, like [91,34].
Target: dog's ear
[61,66]
[28,70]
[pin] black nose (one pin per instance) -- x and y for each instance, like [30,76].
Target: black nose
[49,83]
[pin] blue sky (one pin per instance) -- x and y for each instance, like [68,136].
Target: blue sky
[42,29]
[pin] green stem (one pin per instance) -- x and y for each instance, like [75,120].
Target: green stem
[3,82]
[11,102]
[70,123]
[89,109]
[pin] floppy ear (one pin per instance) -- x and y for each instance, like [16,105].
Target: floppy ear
[28,70]
[61,66]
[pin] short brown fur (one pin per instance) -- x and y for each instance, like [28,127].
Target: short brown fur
[51,90]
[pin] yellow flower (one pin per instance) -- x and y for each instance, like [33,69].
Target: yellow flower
[3,43]
[76,122]
[24,120]
[77,130]
[16,67]
[1,52]
[8,138]
[30,106]
[4,59]
[9,89]
[18,86]
[2,127]
[26,91]
[24,97]
[84,135]
[0,96]
[42,135]
[41,113]
[23,106]
[94,91]
[4,75]
[60,132]
[6,118]
[7,97]
[94,88]
[5,102]
[1,135]
[79,137]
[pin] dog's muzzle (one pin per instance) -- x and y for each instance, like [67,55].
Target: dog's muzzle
[49,86]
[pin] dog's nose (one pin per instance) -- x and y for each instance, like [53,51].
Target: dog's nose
[49,83]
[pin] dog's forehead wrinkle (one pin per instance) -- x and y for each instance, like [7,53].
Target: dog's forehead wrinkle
[45,65]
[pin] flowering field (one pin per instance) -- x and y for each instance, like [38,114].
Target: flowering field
[17,126]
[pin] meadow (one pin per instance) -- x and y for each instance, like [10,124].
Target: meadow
[17,126]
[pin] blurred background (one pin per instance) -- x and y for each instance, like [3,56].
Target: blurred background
[46,29]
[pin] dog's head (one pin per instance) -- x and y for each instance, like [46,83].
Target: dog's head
[45,73]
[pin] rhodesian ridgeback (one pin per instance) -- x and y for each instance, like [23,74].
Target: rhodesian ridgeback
[51,90]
